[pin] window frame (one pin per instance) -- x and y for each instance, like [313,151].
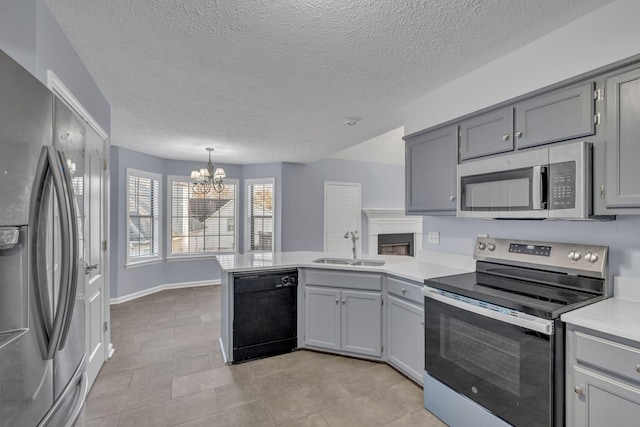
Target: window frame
[134,261]
[198,255]
[247,216]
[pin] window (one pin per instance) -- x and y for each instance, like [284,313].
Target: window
[143,216]
[260,203]
[201,223]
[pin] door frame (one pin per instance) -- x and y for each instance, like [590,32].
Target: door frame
[61,91]
[357,185]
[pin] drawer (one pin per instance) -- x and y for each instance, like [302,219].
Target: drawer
[339,279]
[407,290]
[612,356]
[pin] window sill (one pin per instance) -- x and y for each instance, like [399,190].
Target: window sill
[136,264]
[209,256]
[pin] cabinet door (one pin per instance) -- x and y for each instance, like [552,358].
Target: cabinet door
[405,337]
[362,322]
[322,318]
[623,140]
[556,116]
[602,401]
[488,133]
[430,168]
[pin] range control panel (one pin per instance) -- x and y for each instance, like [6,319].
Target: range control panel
[578,259]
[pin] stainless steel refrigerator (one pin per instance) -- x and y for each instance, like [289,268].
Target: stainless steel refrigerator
[42,332]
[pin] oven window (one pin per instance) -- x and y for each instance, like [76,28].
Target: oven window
[504,368]
[498,191]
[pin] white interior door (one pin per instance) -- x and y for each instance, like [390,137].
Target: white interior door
[95,227]
[342,213]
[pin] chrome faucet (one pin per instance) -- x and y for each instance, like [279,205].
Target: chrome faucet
[354,237]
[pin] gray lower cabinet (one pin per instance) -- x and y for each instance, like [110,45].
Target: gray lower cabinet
[343,311]
[344,320]
[430,168]
[486,134]
[405,337]
[622,95]
[603,380]
[405,327]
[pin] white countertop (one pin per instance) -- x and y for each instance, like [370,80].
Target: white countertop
[618,316]
[430,264]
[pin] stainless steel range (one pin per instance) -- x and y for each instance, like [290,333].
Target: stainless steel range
[494,342]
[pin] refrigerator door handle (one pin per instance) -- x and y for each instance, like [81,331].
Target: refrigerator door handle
[48,165]
[73,251]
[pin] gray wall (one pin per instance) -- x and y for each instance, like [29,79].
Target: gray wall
[303,197]
[622,236]
[30,34]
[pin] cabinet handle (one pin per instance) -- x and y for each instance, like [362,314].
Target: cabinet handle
[422,323]
[505,137]
[404,290]
[337,301]
[519,134]
[638,369]
[578,390]
[452,198]
[344,301]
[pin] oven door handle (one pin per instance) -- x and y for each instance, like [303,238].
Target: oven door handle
[524,320]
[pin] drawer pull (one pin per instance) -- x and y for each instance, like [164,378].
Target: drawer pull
[638,369]
[404,290]
[578,390]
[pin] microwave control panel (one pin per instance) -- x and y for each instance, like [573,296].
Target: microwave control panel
[562,185]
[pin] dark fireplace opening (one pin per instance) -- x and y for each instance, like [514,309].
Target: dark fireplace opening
[396,244]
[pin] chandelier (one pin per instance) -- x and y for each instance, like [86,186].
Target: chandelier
[208,178]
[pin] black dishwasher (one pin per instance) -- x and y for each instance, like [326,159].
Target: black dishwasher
[264,314]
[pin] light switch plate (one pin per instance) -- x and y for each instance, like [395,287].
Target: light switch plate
[433,237]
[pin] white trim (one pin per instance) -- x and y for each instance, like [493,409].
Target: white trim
[199,255]
[194,257]
[390,221]
[110,351]
[359,209]
[145,292]
[247,222]
[57,87]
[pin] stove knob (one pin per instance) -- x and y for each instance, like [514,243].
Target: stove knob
[481,246]
[574,255]
[492,247]
[591,256]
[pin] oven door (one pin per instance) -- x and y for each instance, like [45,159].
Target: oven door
[513,186]
[506,368]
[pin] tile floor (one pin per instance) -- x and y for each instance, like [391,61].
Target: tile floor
[168,370]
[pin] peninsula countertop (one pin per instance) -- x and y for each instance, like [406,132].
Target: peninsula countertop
[429,263]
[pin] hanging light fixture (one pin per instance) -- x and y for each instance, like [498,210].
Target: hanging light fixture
[208,178]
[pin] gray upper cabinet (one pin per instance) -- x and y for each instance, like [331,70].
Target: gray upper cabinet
[623,140]
[556,116]
[559,115]
[430,168]
[488,133]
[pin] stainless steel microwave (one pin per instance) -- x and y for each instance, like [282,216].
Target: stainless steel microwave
[551,182]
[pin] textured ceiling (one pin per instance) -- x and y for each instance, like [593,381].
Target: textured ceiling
[270,81]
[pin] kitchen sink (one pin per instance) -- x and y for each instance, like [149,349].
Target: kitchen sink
[350,261]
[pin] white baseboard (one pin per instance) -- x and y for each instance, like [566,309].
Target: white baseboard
[111,350]
[145,292]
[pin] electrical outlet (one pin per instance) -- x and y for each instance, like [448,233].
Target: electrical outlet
[433,237]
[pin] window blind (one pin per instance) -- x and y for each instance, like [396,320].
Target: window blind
[260,208]
[144,216]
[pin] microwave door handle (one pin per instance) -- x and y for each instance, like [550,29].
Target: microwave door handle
[537,183]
